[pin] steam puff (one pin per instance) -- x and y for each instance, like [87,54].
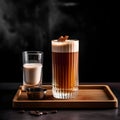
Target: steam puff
[66,46]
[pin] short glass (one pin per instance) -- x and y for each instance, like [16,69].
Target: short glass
[32,68]
[65,65]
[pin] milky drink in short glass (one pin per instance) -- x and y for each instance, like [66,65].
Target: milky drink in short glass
[32,68]
[65,63]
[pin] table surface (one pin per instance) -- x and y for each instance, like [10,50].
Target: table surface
[8,91]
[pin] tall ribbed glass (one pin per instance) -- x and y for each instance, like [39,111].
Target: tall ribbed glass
[65,65]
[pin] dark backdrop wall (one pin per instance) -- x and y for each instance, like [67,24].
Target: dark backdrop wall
[32,24]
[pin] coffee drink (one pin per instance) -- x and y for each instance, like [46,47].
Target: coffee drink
[65,63]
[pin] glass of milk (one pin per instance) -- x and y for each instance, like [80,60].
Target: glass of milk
[32,68]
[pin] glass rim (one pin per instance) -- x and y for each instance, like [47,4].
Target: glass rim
[65,40]
[32,52]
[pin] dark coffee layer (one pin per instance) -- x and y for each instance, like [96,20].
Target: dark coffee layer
[65,70]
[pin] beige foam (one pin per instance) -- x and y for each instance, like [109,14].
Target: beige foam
[65,46]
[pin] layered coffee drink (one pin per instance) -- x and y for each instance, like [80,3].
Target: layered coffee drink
[65,63]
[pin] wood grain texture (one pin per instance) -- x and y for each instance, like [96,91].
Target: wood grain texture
[89,96]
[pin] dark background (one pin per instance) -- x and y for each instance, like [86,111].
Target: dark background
[32,24]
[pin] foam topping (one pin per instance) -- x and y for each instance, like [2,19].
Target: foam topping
[68,45]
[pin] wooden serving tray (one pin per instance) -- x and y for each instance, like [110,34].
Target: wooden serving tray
[89,96]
